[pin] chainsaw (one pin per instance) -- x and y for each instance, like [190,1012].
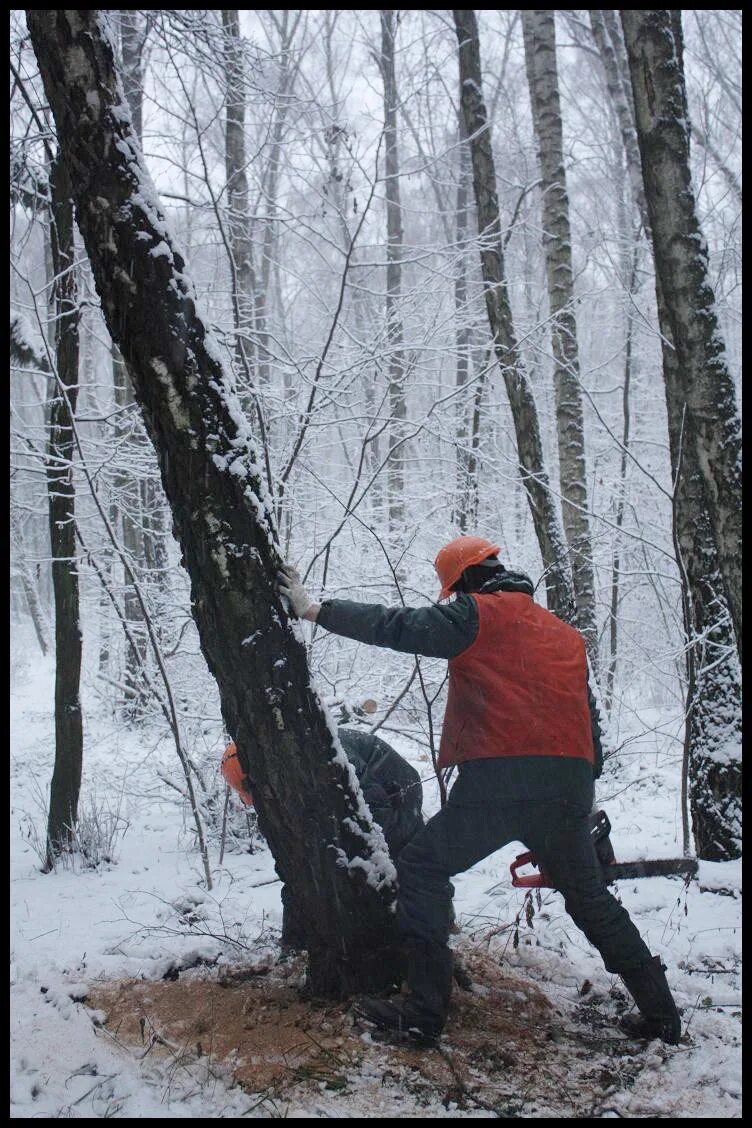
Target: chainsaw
[600,831]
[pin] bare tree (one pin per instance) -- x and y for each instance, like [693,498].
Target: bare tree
[394,241]
[66,776]
[238,220]
[711,425]
[713,697]
[24,354]
[542,502]
[543,81]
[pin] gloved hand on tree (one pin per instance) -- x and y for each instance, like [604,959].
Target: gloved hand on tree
[291,586]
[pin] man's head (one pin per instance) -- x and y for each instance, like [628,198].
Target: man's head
[465,564]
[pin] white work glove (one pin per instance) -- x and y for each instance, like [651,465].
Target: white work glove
[290,585]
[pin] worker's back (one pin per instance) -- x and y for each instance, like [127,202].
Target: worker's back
[391,787]
[520,689]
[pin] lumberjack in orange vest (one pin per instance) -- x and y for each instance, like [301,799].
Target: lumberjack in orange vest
[521,728]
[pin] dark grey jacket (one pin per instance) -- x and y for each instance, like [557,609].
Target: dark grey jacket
[391,787]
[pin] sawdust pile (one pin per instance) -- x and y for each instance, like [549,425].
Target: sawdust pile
[259,1029]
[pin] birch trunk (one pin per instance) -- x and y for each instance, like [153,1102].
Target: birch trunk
[394,240]
[238,222]
[127,514]
[540,59]
[543,505]
[310,809]
[466,490]
[713,703]
[713,430]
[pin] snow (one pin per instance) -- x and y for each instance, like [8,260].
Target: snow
[147,914]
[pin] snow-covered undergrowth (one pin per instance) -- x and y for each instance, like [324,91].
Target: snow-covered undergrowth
[146,914]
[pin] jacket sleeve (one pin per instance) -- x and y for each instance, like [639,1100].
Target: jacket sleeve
[438,631]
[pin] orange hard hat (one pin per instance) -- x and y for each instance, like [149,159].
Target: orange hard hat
[232,770]
[459,554]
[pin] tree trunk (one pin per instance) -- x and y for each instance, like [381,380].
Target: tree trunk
[20,568]
[270,187]
[66,776]
[394,240]
[139,497]
[310,809]
[712,425]
[543,505]
[466,490]
[540,60]
[616,561]
[713,702]
[238,222]
[127,513]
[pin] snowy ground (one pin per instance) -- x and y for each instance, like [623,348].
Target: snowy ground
[148,914]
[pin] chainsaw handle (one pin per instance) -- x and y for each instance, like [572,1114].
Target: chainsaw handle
[531,880]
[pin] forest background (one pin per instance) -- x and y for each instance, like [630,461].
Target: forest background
[315,170]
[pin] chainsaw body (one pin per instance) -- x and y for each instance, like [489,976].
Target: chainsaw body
[600,831]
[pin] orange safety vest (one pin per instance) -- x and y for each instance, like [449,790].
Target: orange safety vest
[520,689]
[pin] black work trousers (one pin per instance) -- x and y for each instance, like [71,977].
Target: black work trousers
[543,802]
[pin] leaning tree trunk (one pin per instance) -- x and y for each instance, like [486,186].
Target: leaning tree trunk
[394,240]
[543,505]
[540,59]
[310,809]
[713,703]
[66,775]
[653,41]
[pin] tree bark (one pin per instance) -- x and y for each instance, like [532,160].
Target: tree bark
[394,240]
[540,59]
[310,809]
[241,247]
[126,510]
[616,561]
[654,48]
[66,775]
[543,505]
[466,491]
[713,700]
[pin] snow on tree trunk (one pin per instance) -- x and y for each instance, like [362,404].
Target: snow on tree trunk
[543,504]
[66,775]
[713,428]
[540,60]
[309,806]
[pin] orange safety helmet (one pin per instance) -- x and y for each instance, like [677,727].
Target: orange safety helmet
[232,770]
[459,554]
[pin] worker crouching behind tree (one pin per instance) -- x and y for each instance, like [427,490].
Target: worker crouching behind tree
[391,787]
[520,727]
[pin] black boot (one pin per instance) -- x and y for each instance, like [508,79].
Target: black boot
[658,1016]
[420,1015]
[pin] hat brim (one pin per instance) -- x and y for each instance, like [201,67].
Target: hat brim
[490,560]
